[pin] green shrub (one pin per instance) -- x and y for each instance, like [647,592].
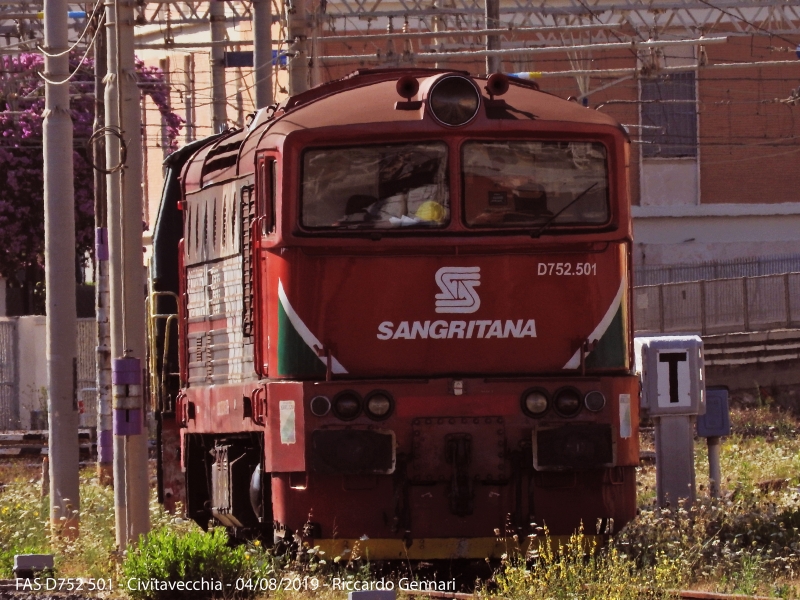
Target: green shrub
[164,562]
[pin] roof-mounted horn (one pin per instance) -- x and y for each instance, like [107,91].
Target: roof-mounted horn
[407,87]
[496,85]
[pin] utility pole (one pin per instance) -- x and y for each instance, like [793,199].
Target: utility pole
[297,32]
[164,65]
[439,25]
[188,95]
[59,240]
[219,102]
[131,481]
[262,51]
[239,103]
[318,17]
[493,63]
[105,436]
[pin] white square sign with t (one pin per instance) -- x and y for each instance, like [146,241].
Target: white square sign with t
[674,381]
[671,368]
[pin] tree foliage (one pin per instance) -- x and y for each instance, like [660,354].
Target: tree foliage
[21,157]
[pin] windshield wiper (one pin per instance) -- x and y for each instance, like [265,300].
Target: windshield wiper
[546,224]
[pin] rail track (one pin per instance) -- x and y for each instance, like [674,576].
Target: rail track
[29,444]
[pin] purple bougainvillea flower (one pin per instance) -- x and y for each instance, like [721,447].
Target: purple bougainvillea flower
[21,162]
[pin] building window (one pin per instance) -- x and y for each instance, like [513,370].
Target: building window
[669,116]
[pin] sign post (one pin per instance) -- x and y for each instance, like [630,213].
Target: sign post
[713,425]
[673,394]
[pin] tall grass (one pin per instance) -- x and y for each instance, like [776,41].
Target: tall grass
[23,522]
[580,569]
[25,525]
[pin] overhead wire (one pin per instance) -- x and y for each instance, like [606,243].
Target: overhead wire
[89,22]
[80,63]
[246,76]
[743,20]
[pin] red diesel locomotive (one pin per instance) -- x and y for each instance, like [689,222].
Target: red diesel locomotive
[402,318]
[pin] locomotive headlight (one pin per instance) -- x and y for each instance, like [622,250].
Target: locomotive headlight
[379,405]
[346,405]
[454,100]
[594,401]
[320,406]
[534,402]
[567,402]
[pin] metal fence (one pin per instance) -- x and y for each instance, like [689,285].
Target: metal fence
[9,382]
[717,269]
[87,378]
[719,306]
[13,373]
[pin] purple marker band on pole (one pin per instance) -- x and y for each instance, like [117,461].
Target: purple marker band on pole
[127,422]
[101,243]
[126,379]
[126,371]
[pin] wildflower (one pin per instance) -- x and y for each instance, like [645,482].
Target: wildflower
[257,543]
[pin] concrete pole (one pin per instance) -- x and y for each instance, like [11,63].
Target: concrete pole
[188,95]
[105,438]
[239,105]
[493,62]
[131,490]
[316,72]
[297,31]
[219,117]
[438,25]
[714,471]
[113,157]
[164,65]
[59,233]
[262,52]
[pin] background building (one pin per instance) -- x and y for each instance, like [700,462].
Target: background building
[707,91]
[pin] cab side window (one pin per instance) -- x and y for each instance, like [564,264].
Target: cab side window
[265,193]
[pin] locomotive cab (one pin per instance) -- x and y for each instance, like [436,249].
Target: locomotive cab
[403,319]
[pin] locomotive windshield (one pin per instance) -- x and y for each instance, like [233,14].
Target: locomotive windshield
[518,183]
[376,187]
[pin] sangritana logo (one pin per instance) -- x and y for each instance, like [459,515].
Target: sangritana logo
[458,293]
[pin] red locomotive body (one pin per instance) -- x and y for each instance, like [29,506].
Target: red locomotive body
[403,320]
